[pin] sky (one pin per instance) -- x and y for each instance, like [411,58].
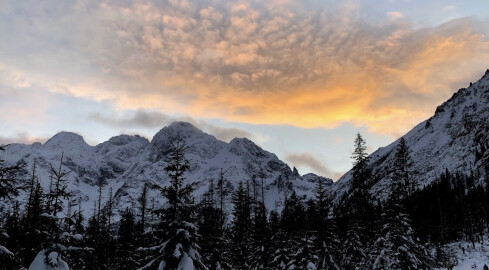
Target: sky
[299,78]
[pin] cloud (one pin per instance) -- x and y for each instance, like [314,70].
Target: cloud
[140,119]
[22,137]
[280,62]
[449,8]
[395,15]
[154,119]
[305,159]
[223,134]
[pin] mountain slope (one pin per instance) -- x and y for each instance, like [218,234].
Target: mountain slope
[124,163]
[455,138]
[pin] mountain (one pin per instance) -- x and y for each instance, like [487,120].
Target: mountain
[124,163]
[455,138]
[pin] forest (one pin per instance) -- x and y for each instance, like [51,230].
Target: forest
[408,230]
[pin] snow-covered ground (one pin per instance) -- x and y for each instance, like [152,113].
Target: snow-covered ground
[474,258]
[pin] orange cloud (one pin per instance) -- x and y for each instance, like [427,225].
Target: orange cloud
[283,62]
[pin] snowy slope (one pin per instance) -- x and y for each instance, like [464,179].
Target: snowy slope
[455,138]
[124,163]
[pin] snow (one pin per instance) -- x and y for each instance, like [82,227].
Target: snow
[53,258]
[474,258]
[4,250]
[177,252]
[311,266]
[127,162]
[162,265]
[186,263]
[39,264]
[78,237]
[444,141]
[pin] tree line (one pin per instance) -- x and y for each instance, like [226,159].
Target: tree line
[358,232]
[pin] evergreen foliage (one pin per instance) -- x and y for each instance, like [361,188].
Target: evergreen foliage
[359,233]
[177,247]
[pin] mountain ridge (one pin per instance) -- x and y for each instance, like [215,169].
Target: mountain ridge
[454,138]
[124,163]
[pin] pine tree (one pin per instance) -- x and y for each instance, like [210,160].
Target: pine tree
[33,225]
[397,248]
[215,253]
[10,235]
[401,169]
[9,188]
[354,254]
[125,256]
[326,241]
[9,178]
[241,230]
[292,214]
[261,232]
[53,249]
[303,255]
[98,237]
[78,250]
[143,203]
[178,248]
[360,162]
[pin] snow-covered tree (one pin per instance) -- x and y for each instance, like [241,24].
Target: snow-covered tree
[177,248]
[360,161]
[9,188]
[9,178]
[397,247]
[125,257]
[401,170]
[53,248]
[241,229]
[354,255]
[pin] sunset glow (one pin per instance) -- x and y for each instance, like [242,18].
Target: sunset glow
[266,70]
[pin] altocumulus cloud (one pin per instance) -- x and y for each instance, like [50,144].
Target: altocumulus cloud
[262,62]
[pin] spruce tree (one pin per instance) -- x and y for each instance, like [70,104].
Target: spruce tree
[326,241]
[9,178]
[401,168]
[397,247]
[124,256]
[10,236]
[354,253]
[360,162]
[241,229]
[177,248]
[53,248]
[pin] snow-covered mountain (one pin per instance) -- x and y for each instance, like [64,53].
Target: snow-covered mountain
[456,138]
[124,163]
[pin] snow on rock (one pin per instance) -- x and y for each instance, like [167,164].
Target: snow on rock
[53,258]
[124,163]
[454,138]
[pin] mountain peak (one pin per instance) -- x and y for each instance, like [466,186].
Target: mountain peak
[452,139]
[486,75]
[64,138]
[185,129]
